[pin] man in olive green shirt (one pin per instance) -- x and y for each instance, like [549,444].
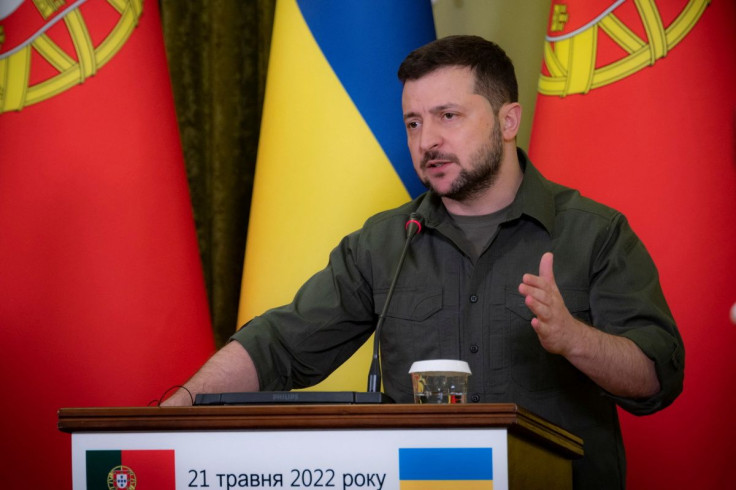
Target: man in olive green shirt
[550,297]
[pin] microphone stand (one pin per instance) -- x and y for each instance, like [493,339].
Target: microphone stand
[413,226]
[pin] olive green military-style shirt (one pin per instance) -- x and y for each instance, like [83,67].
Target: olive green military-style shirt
[450,303]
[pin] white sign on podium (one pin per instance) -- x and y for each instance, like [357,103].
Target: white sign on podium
[302,459]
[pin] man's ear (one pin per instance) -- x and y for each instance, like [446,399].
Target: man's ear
[510,119]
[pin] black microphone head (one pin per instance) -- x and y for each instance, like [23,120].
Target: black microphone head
[413,225]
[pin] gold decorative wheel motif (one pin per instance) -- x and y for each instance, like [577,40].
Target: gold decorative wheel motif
[16,92]
[571,59]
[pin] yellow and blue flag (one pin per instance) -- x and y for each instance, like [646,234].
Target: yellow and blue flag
[441,468]
[332,150]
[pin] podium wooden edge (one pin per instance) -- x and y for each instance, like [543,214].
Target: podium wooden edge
[298,417]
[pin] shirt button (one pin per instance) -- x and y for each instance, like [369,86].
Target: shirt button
[475,398]
[473,298]
[474,349]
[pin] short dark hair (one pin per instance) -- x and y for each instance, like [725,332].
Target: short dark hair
[494,72]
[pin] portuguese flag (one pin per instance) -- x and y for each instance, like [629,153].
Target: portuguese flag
[102,296]
[637,110]
[131,469]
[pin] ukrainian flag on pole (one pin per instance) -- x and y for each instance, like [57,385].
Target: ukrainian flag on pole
[332,147]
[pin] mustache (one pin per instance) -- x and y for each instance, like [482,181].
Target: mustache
[436,155]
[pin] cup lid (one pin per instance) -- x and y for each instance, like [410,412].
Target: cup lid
[440,365]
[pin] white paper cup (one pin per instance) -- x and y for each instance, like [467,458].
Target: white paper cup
[440,381]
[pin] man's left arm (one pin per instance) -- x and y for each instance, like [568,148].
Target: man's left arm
[613,362]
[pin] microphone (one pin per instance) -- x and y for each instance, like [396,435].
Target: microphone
[373,394]
[413,227]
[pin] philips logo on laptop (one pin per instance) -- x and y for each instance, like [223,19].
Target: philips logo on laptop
[285,397]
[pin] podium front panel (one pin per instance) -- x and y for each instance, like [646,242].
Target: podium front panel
[325,459]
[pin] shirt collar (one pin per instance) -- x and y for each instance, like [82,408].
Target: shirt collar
[533,199]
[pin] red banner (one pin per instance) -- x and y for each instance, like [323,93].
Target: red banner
[637,109]
[102,299]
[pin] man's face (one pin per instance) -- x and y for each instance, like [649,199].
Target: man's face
[454,138]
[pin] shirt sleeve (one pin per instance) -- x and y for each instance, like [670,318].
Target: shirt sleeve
[627,300]
[668,355]
[299,344]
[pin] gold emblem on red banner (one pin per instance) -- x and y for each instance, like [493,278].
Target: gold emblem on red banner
[48,7]
[570,59]
[16,65]
[559,17]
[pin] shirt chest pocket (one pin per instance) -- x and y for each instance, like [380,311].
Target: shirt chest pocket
[533,368]
[412,329]
[409,304]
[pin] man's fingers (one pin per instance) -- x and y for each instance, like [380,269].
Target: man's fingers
[546,271]
[546,274]
[532,293]
[537,290]
[538,302]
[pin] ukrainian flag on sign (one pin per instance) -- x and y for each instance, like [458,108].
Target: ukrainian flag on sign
[446,468]
[332,150]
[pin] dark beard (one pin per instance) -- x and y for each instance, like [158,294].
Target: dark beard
[471,182]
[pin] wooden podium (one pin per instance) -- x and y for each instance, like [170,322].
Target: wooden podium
[528,452]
